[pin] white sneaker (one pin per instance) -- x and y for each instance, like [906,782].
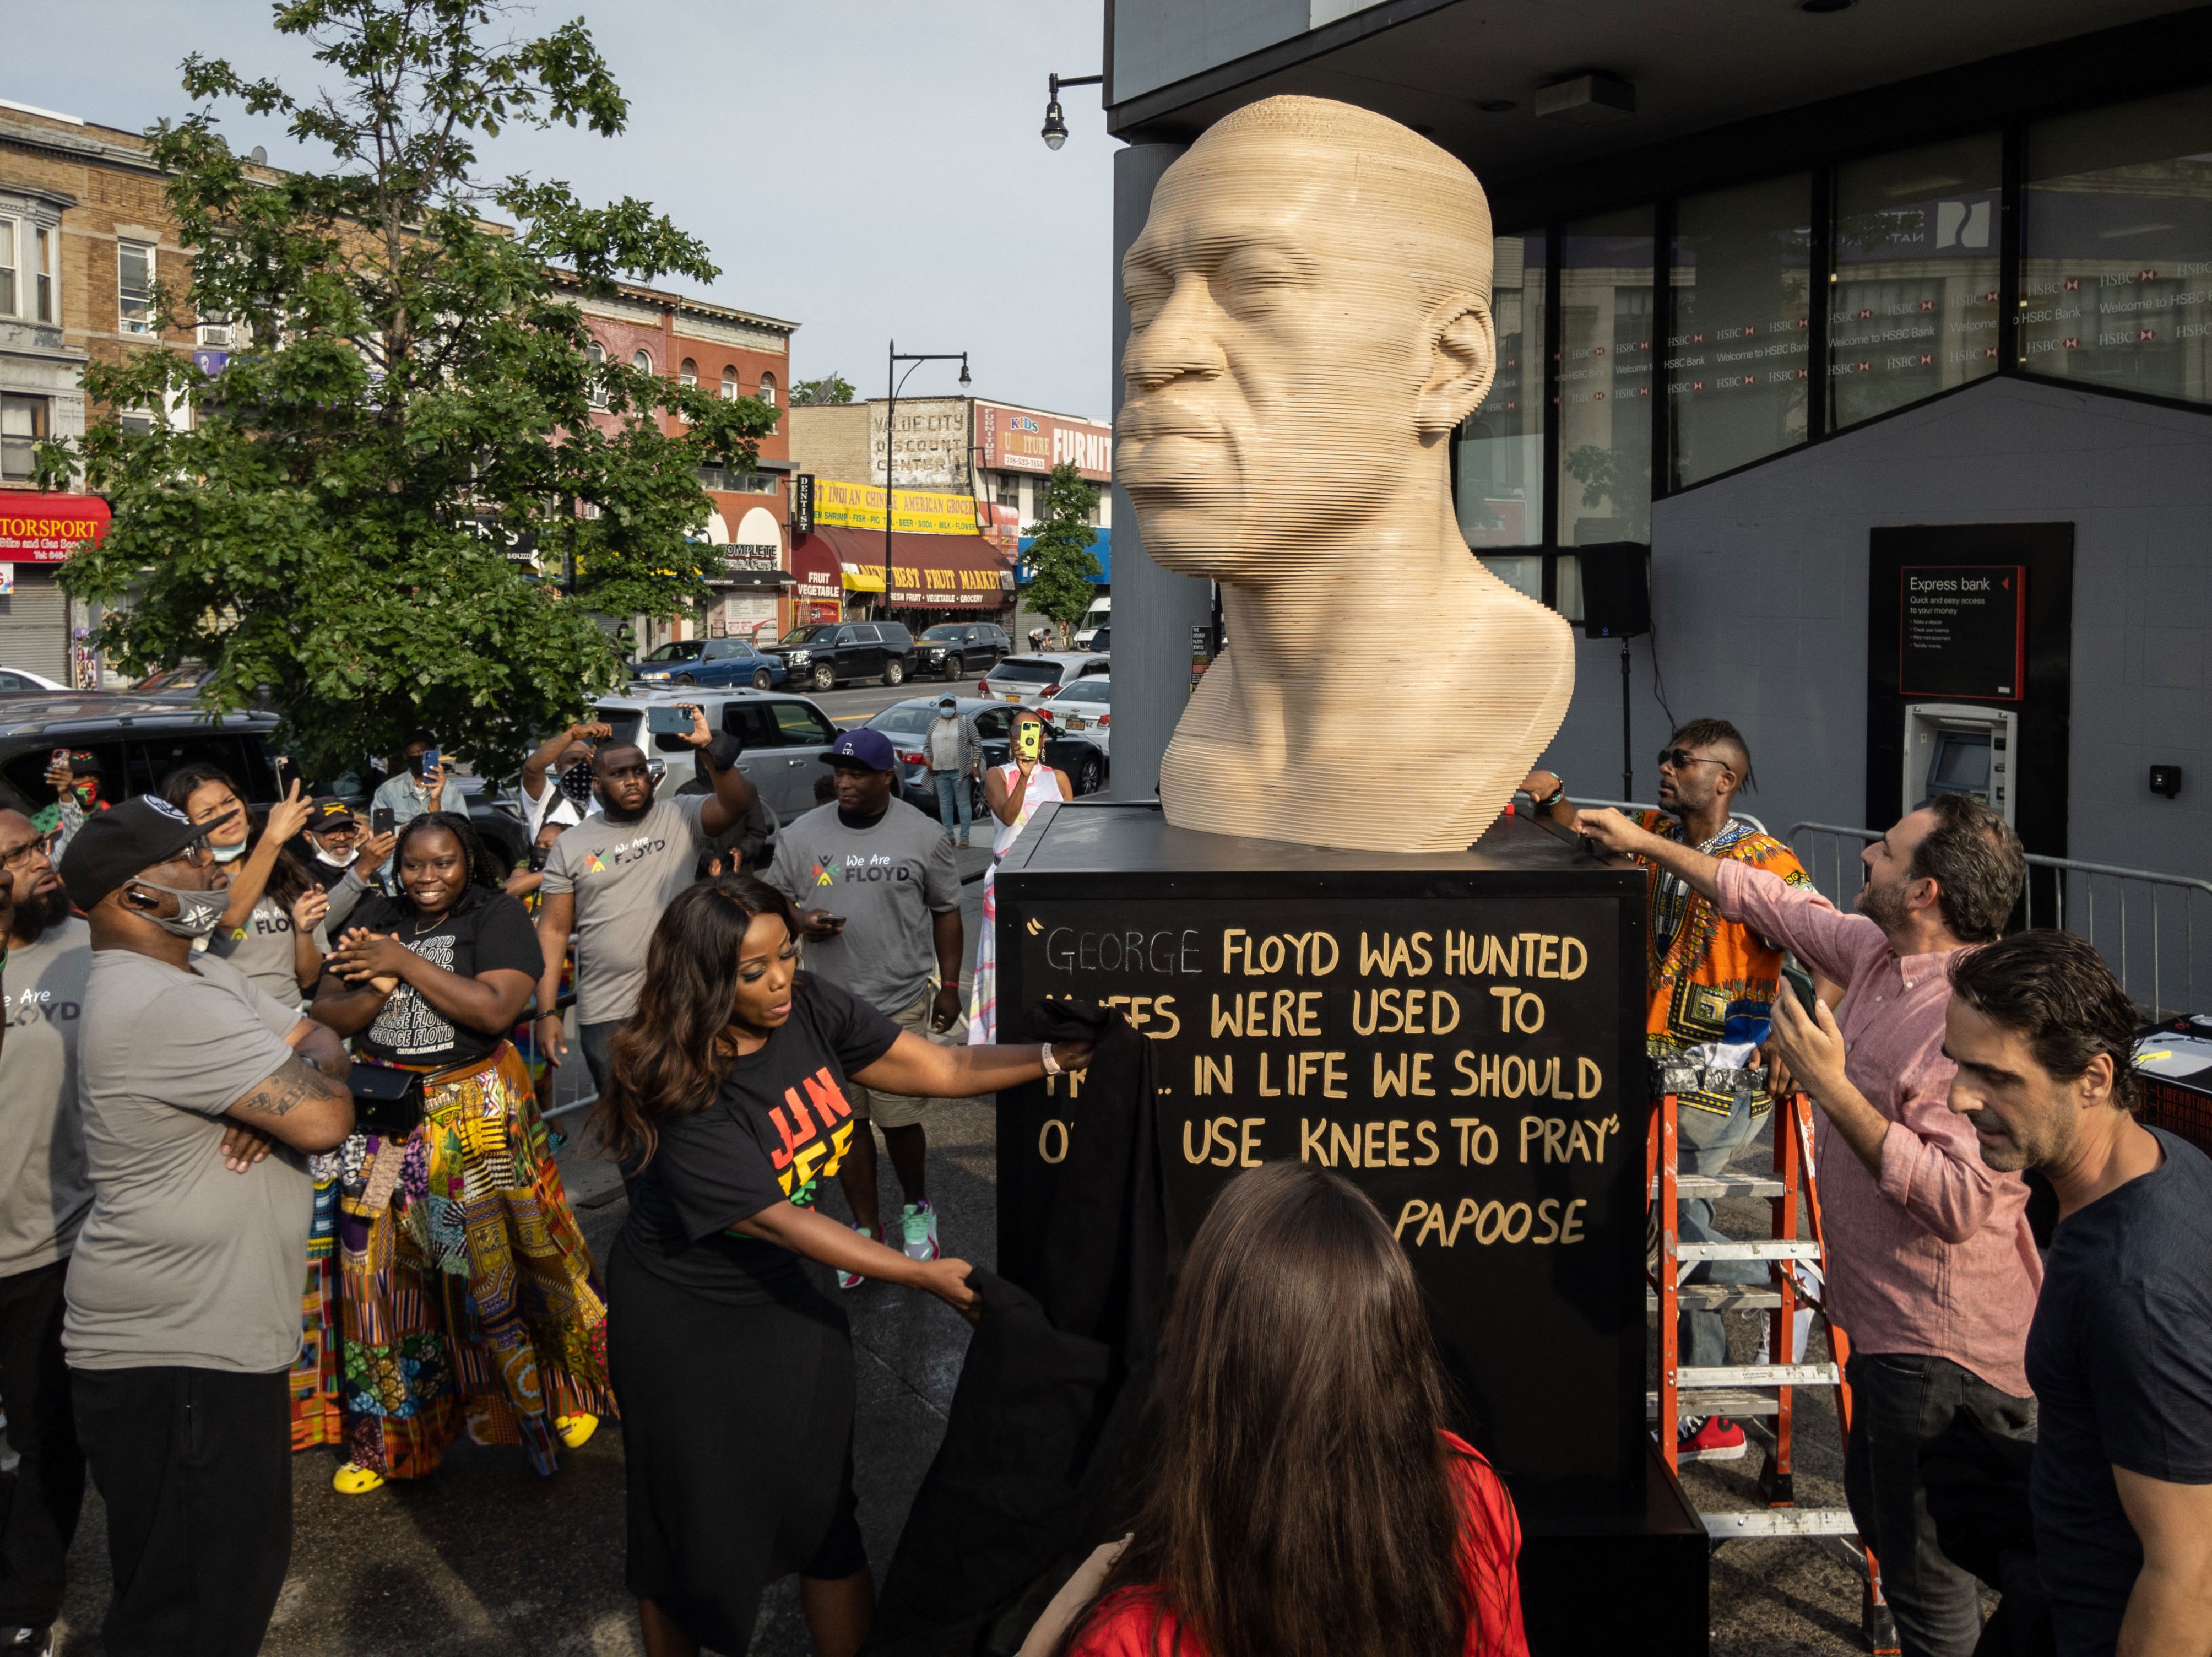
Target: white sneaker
[919,1220]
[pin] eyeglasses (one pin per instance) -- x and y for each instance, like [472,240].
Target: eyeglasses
[20,857]
[1678,758]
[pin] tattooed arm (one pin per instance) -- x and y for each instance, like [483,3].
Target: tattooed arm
[298,1106]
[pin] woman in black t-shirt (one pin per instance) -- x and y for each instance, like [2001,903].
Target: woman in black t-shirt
[726,1105]
[469,1292]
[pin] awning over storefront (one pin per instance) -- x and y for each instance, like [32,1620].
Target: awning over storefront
[46,528]
[1101,549]
[928,572]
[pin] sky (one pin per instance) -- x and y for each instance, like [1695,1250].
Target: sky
[869,169]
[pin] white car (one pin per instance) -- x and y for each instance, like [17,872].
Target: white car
[22,679]
[1035,678]
[1085,709]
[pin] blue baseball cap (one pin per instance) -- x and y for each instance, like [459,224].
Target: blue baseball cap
[871,750]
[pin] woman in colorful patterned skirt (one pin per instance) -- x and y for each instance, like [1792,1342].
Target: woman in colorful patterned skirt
[466,1294]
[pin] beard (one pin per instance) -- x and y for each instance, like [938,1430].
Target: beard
[1884,906]
[35,916]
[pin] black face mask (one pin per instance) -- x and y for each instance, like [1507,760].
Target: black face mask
[537,855]
[575,784]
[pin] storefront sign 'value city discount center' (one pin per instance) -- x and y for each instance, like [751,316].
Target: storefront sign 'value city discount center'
[1460,1060]
[48,528]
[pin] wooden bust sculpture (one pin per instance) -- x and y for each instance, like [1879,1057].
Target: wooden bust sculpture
[1309,321]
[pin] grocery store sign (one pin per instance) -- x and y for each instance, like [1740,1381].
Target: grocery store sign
[48,528]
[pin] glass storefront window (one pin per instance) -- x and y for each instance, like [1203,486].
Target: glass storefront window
[1913,296]
[1522,571]
[2116,272]
[1603,397]
[1501,445]
[1739,356]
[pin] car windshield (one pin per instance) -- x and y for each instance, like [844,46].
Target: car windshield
[1027,672]
[903,722]
[808,636]
[682,650]
[946,633]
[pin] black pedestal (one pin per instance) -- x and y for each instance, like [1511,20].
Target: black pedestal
[1462,1035]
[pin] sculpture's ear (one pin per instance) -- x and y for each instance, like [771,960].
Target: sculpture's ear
[1462,362]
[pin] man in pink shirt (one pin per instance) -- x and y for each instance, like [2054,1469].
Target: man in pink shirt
[1932,1271]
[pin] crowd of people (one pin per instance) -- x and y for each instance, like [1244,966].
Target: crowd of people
[276,1175]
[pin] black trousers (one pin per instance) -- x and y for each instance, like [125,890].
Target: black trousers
[1901,1402]
[195,1468]
[48,1492]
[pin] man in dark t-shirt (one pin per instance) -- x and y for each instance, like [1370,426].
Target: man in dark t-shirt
[2120,1352]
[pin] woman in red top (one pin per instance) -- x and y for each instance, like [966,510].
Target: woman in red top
[1307,1501]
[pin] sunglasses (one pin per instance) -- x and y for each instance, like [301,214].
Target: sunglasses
[1678,758]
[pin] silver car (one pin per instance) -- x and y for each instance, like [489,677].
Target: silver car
[1031,679]
[785,738]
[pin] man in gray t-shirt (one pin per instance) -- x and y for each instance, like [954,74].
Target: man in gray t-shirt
[44,1195]
[878,895]
[201,1096]
[608,880]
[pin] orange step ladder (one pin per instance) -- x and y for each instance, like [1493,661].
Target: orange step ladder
[1754,1393]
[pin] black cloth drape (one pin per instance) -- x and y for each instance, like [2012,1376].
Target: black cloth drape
[1048,1427]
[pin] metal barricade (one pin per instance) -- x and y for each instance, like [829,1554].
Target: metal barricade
[2143,921]
[573,1090]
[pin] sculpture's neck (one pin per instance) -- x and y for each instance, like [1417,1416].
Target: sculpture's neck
[1380,620]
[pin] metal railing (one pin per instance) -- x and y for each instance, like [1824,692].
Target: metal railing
[2146,928]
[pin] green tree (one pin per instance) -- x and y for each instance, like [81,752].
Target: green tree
[832,388]
[1061,552]
[346,518]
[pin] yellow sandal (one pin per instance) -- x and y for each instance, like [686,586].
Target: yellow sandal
[575,1431]
[353,1479]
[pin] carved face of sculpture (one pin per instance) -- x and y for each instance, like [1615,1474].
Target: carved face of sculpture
[1309,320]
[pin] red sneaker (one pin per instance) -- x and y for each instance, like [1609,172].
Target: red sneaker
[1712,1438]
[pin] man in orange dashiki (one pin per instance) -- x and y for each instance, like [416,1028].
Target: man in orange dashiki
[1711,984]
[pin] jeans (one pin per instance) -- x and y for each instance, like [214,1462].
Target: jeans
[1705,1141]
[595,1039]
[951,789]
[195,1468]
[1900,1402]
[41,1516]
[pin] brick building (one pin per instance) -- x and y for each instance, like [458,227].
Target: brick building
[84,235]
[740,354]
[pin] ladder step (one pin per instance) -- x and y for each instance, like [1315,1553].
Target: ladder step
[1721,1403]
[1714,1376]
[1780,1521]
[1691,1253]
[1700,1184]
[1719,1297]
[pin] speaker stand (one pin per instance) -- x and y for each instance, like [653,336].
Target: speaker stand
[1627,744]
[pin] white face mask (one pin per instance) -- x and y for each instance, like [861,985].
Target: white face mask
[334,859]
[229,853]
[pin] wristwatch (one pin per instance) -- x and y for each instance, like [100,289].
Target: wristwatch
[1553,798]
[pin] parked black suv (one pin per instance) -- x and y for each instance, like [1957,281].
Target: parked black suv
[825,654]
[140,740]
[954,649]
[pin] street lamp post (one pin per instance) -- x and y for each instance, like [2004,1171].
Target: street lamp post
[894,380]
[1055,120]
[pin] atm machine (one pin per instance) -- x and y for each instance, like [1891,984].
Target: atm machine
[1961,747]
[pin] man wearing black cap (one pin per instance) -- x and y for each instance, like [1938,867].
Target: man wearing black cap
[878,896]
[341,860]
[184,1290]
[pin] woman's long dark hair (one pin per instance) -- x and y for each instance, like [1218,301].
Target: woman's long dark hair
[288,881]
[669,1060]
[1301,1504]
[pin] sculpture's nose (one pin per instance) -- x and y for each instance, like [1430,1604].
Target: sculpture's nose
[1180,339]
